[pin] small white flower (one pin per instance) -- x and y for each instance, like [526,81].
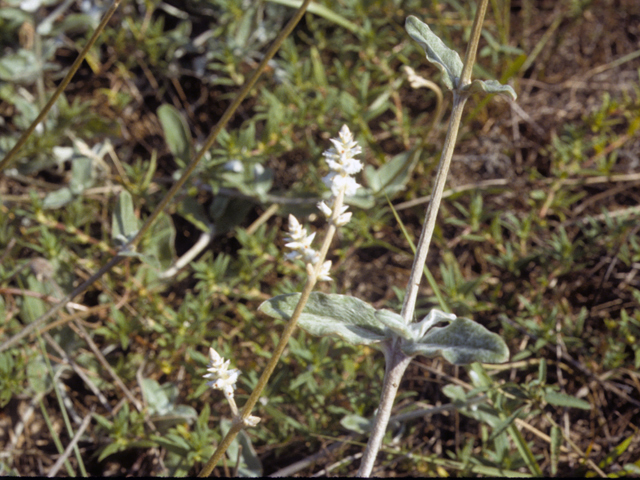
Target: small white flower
[337,182]
[340,157]
[251,421]
[295,229]
[323,274]
[300,243]
[221,377]
[343,219]
[325,209]
[310,256]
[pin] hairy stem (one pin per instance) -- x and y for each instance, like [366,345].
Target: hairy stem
[432,211]
[396,364]
[459,99]
[396,361]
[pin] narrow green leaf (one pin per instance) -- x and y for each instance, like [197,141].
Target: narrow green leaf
[331,315]
[447,60]
[173,443]
[542,371]
[148,176]
[319,74]
[110,449]
[556,443]
[504,424]
[562,400]
[525,451]
[102,421]
[176,132]
[461,342]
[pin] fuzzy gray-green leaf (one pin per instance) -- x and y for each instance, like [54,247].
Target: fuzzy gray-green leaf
[492,86]
[447,60]
[461,342]
[331,315]
[124,224]
[395,322]
[176,131]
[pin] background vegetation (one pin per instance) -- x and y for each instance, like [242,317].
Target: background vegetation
[537,239]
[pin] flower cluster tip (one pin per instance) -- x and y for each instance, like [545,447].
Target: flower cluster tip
[222,378]
[343,165]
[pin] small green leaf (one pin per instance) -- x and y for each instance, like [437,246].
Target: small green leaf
[455,393]
[356,423]
[392,177]
[38,376]
[331,315]
[492,86]
[227,213]
[155,396]
[124,224]
[504,424]
[110,450]
[617,451]
[81,175]
[562,400]
[447,60]
[262,181]
[173,443]
[461,342]
[58,198]
[102,421]
[176,132]
[23,67]
[159,250]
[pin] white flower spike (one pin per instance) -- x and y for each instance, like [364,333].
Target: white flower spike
[340,157]
[300,243]
[221,377]
[343,165]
